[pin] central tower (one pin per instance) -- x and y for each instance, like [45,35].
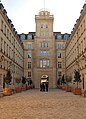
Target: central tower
[44,24]
[44,53]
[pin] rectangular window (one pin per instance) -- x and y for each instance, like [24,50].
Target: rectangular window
[7,49]
[47,34]
[59,46]
[59,64]
[40,63]
[44,63]
[29,46]
[7,33]
[1,42]
[29,55]
[58,55]
[29,65]
[43,53]
[4,46]
[84,24]
[40,45]
[45,45]
[2,26]
[5,29]
[29,74]
[10,38]
[42,34]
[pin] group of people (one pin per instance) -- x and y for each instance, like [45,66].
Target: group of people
[44,86]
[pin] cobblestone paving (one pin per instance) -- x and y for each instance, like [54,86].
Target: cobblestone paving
[33,104]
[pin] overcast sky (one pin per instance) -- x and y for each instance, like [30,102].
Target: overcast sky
[22,13]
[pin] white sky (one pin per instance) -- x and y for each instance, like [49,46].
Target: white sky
[22,13]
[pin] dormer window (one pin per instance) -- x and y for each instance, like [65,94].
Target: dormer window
[59,37]
[22,37]
[66,36]
[29,37]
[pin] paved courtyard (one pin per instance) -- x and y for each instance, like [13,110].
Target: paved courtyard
[33,104]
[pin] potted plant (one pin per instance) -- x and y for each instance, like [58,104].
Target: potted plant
[7,79]
[59,83]
[63,83]
[18,88]
[68,81]
[30,84]
[77,77]
[23,83]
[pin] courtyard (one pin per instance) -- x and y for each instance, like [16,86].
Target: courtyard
[33,104]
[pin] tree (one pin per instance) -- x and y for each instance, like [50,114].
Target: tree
[18,80]
[63,80]
[30,82]
[8,77]
[23,80]
[58,81]
[77,77]
[68,79]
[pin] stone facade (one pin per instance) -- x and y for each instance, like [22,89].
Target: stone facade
[46,49]
[11,49]
[43,52]
[76,48]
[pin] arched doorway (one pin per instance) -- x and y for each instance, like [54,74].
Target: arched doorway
[44,78]
[44,83]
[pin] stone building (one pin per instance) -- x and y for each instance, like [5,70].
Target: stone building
[44,51]
[76,48]
[11,49]
[43,54]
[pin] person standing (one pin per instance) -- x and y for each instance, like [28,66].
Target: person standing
[40,86]
[46,87]
[43,86]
